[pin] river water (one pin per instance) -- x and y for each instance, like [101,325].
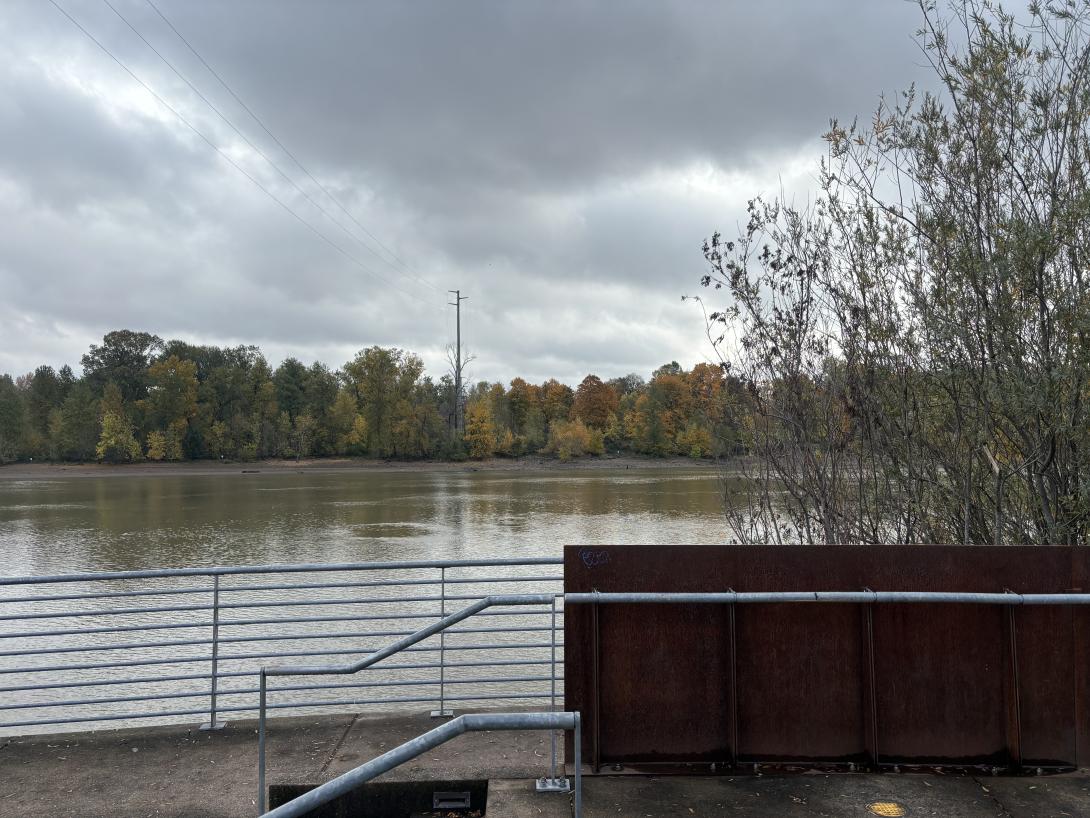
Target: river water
[128,652]
[119,523]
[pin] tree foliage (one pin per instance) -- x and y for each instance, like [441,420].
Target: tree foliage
[915,342]
[199,401]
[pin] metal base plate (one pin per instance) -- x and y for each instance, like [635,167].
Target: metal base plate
[552,785]
[219,725]
[441,714]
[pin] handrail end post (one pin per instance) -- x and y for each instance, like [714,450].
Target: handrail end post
[261,743]
[578,764]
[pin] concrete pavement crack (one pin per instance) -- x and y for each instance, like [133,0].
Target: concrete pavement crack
[1003,811]
[337,747]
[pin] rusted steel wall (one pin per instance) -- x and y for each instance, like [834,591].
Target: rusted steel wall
[676,687]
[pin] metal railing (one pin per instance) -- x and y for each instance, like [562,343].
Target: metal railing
[346,783]
[444,625]
[139,647]
[730,597]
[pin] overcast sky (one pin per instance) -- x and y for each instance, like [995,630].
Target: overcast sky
[559,162]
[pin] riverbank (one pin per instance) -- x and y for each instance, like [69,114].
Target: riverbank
[46,471]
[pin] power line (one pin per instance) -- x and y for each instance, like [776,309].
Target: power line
[283,147]
[226,157]
[243,136]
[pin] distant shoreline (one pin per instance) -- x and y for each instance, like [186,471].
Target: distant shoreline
[43,471]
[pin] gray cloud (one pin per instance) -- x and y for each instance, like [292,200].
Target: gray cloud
[560,162]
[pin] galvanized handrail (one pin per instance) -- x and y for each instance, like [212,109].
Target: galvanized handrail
[433,738]
[855,597]
[597,597]
[376,657]
[65,659]
[276,568]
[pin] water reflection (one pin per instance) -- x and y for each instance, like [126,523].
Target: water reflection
[117,523]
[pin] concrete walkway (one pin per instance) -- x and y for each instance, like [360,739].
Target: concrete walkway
[178,771]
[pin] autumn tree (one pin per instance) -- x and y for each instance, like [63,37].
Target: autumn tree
[556,400]
[480,435]
[572,438]
[116,442]
[171,403]
[346,425]
[595,402]
[380,379]
[527,414]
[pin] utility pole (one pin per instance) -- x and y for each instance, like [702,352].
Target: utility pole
[457,304]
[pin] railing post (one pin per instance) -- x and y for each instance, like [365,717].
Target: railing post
[212,723]
[261,744]
[443,711]
[578,766]
[552,783]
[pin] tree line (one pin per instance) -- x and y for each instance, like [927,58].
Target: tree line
[140,398]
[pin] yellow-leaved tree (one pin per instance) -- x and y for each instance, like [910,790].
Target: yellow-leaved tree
[480,434]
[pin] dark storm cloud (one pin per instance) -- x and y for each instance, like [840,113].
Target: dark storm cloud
[560,162]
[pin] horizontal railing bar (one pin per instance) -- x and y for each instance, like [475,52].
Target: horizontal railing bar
[727,597]
[147,626]
[185,677]
[294,568]
[108,595]
[240,673]
[190,660]
[348,634]
[104,717]
[179,625]
[236,657]
[850,597]
[148,697]
[397,683]
[368,633]
[375,601]
[277,706]
[173,643]
[107,612]
[387,583]
[173,625]
[273,603]
[302,586]
[317,602]
[104,665]
[448,648]
[339,635]
[252,690]
[225,623]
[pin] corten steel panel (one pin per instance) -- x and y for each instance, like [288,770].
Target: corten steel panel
[800,683]
[939,673]
[641,686]
[1047,689]
[882,684]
